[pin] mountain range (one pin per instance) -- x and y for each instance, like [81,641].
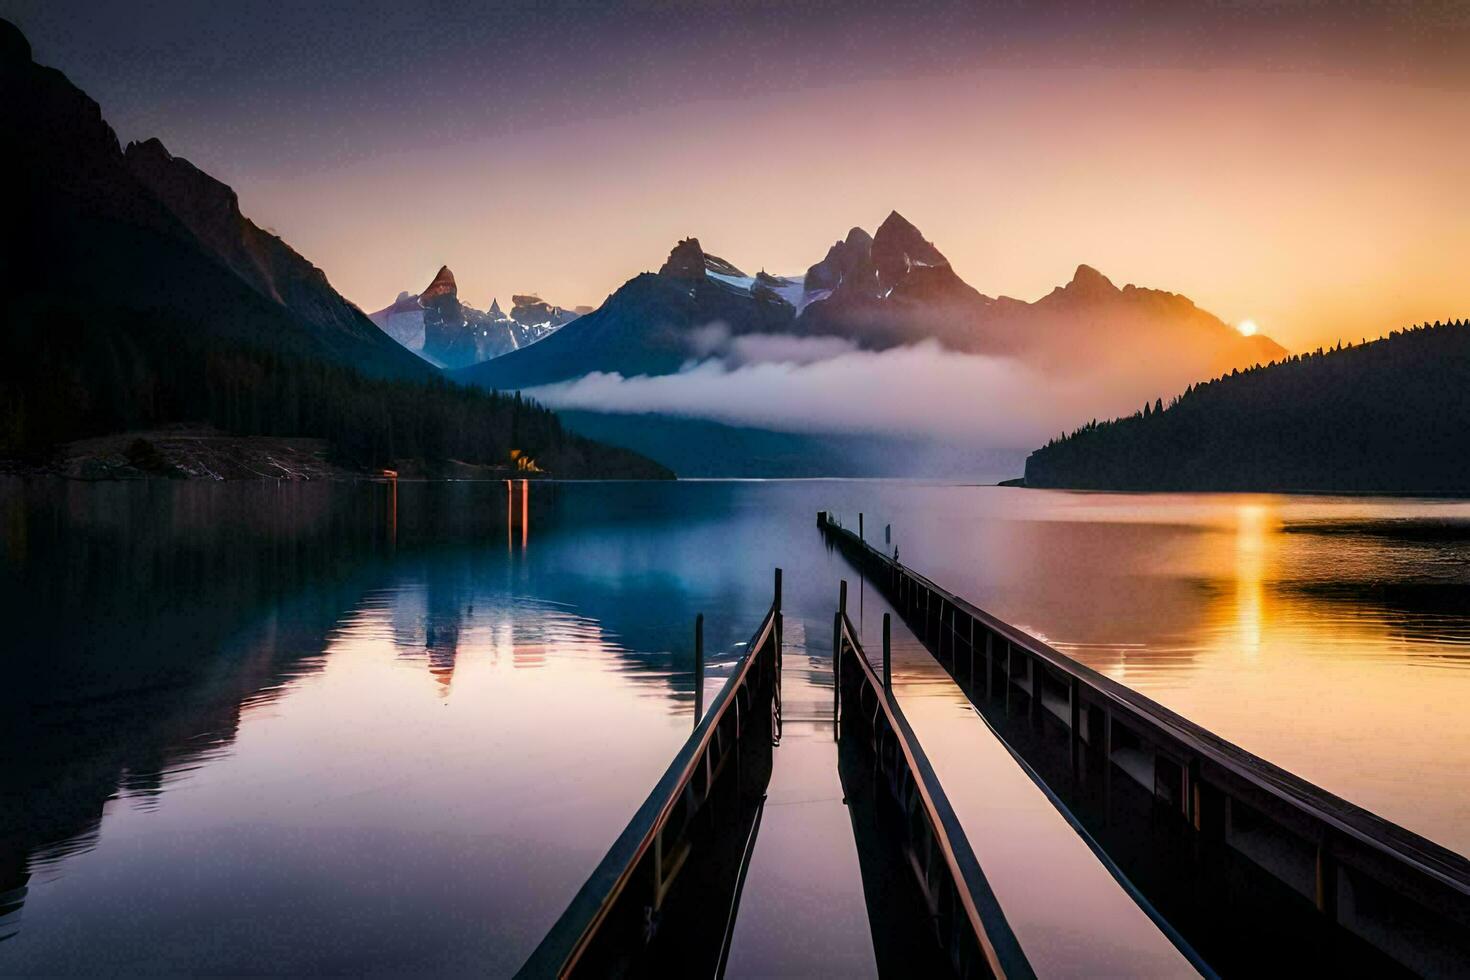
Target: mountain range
[445,331]
[1099,346]
[890,289]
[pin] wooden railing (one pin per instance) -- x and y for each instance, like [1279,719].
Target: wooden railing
[614,919]
[968,921]
[1395,891]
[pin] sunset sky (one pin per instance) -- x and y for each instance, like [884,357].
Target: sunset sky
[1303,166]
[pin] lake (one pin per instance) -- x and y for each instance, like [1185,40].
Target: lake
[382,728]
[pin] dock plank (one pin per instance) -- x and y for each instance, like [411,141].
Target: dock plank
[802,911]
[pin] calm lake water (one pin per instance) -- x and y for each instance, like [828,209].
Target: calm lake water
[376,728]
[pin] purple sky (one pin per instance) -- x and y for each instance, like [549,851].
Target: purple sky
[1302,165]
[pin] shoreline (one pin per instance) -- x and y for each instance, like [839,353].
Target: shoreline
[189,454]
[1257,491]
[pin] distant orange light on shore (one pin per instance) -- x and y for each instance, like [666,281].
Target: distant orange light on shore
[1247,328]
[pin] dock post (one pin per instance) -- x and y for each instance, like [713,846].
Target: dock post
[776,605]
[972,653]
[1196,795]
[887,656]
[1010,676]
[952,630]
[989,663]
[1074,699]
[698,668]
[1033,673]
[1326,878]
[887,533]
[836,674]
[860,527]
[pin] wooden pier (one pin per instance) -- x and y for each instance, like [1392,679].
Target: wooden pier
[1250,853]
[968,922]
[666,899]
[643,912]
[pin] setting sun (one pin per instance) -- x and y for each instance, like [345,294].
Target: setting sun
[1247,328]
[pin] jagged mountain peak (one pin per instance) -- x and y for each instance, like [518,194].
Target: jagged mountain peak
[897,224]
[179,182]
[150,148]
[442,329]
[848,258]
[442,285]
[687,260]
[1086,284]
[1089,279]
[898,247]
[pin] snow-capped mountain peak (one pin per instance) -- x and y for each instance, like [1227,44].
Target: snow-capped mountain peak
[438,327]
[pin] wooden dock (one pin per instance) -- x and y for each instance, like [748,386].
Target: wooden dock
[805,850]
[1258,855]
[640,913]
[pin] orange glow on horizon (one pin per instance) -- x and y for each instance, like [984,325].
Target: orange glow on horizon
[1305,201]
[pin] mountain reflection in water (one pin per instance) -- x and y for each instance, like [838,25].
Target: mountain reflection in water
[393,726]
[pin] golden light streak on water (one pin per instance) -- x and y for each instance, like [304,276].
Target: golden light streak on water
[1254,526]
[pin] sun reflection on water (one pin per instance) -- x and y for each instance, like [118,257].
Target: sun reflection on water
[1255,525]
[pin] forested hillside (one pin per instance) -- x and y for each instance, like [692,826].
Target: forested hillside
[66,376]
[1390,415]
[132,303]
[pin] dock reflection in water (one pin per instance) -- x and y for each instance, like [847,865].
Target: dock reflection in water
[295,728]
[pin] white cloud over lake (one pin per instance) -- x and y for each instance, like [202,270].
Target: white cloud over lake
[824,384]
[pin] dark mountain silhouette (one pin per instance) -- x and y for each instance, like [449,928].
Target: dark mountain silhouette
[1390,415]
[83,227]
[211,211]
[890,289]
[138,295]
